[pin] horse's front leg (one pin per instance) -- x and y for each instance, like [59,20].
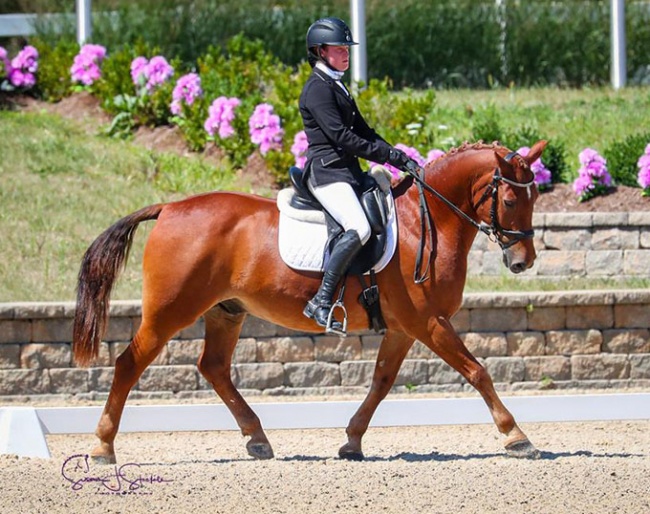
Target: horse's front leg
[221,335]
[445,342]
[394,347]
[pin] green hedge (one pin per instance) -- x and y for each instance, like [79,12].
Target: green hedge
[446,43]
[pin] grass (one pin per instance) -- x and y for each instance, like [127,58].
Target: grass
[580,118]
[61,186]
[508,282]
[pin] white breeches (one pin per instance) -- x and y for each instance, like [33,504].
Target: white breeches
[340,200]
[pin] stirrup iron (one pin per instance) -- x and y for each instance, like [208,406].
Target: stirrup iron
[329,329]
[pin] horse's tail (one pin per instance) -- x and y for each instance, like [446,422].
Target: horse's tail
[100,267]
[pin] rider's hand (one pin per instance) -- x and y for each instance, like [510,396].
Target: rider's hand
[402,161]
[411,167]
[397,158]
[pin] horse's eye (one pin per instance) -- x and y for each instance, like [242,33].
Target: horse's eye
[509,203]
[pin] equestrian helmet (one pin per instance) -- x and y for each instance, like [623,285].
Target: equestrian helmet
[328,31]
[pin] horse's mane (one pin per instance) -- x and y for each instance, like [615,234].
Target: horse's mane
[405,183]
[479,145]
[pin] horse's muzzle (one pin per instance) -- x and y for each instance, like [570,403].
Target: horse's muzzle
[518,262]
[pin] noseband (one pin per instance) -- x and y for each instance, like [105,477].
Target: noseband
[494,231]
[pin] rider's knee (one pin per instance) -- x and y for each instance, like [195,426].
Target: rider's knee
[364,232]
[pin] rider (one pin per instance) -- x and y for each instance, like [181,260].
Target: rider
[338,135]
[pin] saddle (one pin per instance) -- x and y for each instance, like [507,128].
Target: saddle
[307,233]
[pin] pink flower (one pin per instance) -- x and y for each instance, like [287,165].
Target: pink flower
[22,68]
[86,65]
[434,155]
[589,155]
[264,128]
[138,67]
[20,79]
[299,148]
[411,152]
[186,91]
[97,52]
[150,74]
[220,117]
[26,60]
[542,174]
[643,177]
[593,177]
[158,72]
[583,185]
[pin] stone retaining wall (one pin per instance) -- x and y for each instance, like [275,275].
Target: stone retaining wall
[595,245]
[528,341]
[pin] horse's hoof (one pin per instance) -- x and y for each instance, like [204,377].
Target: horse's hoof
[103,460]
[261,451]
[522,450]
[348,453]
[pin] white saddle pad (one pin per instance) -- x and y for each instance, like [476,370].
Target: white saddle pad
[303,233]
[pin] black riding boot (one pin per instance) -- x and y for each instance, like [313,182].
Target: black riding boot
[318,308]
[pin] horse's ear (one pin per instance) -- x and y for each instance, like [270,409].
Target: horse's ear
[504,165]
[535,152]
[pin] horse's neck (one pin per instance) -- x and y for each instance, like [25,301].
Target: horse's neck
[459,178]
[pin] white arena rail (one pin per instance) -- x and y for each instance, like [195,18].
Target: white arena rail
[23,429]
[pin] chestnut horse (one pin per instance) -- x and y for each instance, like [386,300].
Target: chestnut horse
[216,255]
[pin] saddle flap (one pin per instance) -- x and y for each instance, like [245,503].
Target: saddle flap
[375,206]
[302,199]
[303,237]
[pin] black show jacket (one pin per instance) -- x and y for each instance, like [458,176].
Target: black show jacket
[337,133]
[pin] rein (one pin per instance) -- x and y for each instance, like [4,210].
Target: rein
[495,232]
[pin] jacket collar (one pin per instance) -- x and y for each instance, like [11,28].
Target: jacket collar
[336,75]
[338,89]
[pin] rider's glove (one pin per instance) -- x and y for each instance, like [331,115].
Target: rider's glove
[402,161]
[411,167]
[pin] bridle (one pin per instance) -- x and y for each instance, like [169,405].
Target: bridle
[494,231]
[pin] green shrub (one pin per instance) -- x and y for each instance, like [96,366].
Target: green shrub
[244,69]
[523,136]
[284,95]
[54,63]
[409,122]
[622,157]
[132,106]
[554,158]
[486,126]
[374,102]
[191,120]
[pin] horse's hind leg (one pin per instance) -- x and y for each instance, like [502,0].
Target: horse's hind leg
[393,349]
[445,342]
[145,346]
[221,335]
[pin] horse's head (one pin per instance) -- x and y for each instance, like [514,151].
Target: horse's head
[506,206]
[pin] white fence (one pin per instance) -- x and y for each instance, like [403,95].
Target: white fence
[23,429]
[25,24]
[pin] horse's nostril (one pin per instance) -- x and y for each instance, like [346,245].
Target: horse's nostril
[518,267]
